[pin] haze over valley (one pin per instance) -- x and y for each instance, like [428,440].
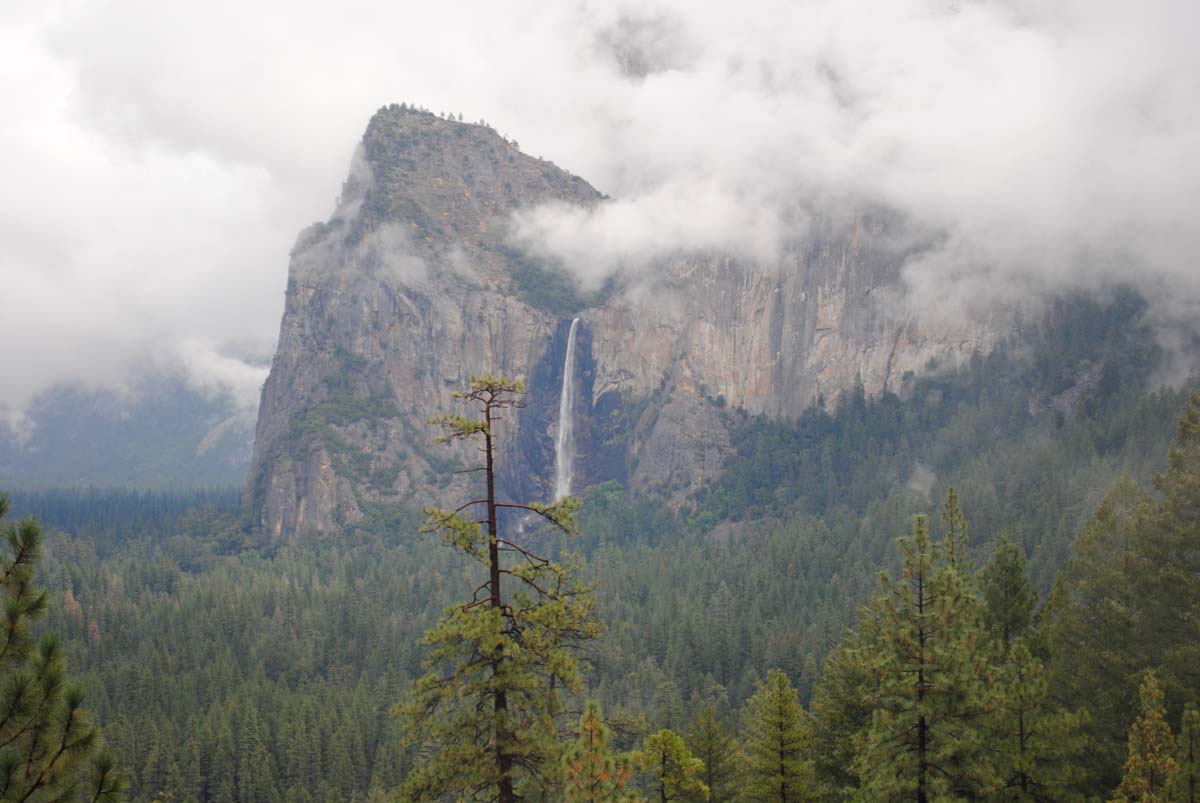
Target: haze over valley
[607,402]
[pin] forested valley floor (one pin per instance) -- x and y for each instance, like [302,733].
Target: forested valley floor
[1061,574]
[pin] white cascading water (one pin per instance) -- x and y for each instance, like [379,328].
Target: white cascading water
[564,445]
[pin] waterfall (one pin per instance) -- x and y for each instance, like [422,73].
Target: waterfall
[564,444]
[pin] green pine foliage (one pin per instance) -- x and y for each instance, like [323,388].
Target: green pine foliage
[672,773]
[928,655]
[1128,601]
[778,738]
[1098,644]
[49,748]
[1187,786]
[1036,745]
[592,773]
[224,668]
[1008,599]
[1170,585]
[710,741]
[483,716]
[1150,771]
[842,707]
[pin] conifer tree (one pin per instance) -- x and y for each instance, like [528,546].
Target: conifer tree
[1008,599]
[842,706]
[1129,600]
[1187,786]
[484,713]
[955,541]
[715,746]
[1098,645]
[929,655]
[1037,745]
[591,773]
[1170,582]
[674,772]
[778,737]
[49,748]
[1150,770]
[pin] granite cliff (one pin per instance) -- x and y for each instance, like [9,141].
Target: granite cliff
[413,285]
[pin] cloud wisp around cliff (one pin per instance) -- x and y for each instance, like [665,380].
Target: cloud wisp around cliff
[161,158]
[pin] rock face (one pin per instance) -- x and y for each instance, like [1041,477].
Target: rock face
[410,288]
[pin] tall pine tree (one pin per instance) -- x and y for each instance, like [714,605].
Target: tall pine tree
[49,748]
[1098,643]
[1036,745]
[1169,586]
[1187,786]
[484,713]
[929,655]
[842,707]
[1008,599]
[778,737]
[714,745]
[1150,770]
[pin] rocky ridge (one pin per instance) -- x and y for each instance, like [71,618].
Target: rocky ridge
[412,286]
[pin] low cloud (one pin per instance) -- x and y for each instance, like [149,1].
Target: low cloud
[159,159]
[214,373]
[629,234]
[1050,147]
[922,481]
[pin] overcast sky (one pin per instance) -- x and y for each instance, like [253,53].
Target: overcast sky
[158,158]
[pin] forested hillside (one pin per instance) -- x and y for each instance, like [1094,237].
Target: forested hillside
[158,433]
[226,667]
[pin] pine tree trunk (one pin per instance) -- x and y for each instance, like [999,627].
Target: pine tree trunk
[1021,752]
[709,758]
[782,766]
[500,698]
[922,726]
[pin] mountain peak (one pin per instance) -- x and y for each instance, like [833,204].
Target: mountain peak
[451,180]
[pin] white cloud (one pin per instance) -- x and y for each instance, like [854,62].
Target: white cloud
[159,158]
[207,369]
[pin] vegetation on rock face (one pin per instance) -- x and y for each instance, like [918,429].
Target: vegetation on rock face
[550,288]
[1002,419]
